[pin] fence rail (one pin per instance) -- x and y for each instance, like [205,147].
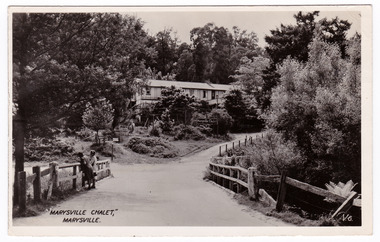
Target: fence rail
[55,181]
[232,178]
[223,149]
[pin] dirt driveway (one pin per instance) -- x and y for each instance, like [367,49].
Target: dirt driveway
[172,194]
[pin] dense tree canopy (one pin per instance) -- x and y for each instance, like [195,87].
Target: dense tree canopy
[62,61]
[293,41]
[317,105]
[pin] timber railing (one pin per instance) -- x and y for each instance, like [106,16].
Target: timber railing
[224,149]
[56,178]
[237,179]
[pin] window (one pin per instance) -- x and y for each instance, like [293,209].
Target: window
[204,94]
[148,91]
[191,92]
[212,94]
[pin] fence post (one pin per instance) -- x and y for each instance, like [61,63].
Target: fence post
[231,184]
[108,166]
[226,148]
[112,152]
[245,141]
[74,180]
[239,143]
[237,184]
[251,182]
[220,150]
[55,176]
[21,179]
[233,145]
[37,184]
[223,180]
[53,182]
[218,178]
[281,192]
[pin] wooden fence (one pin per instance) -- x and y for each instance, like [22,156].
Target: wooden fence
[235,178]
[55,180]
[223,149]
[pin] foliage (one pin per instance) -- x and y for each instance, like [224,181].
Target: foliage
[165,45]
[47,149]
[185,67]
[52,55]
[61,61]
[155,130]
[272,154]
[223,121]
[166,122]
[249,74]
[155,147]
[179,105]
[317,106]
[98,116]
[341,189]
[242,109]
[217,51]
[187,132]
[293,41]
[104,149]
[85,133]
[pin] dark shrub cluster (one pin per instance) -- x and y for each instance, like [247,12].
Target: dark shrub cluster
[104,149]
[186,132]
[46,149]
[156,147]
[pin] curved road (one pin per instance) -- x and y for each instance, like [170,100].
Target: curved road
[172,194]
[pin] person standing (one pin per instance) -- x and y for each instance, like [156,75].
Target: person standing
[86,168]
[93,164]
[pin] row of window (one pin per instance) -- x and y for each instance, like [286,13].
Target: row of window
[213,93]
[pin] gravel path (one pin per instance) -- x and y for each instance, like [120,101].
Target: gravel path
[172,194]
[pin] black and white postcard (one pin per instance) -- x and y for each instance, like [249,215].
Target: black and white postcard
[190,121]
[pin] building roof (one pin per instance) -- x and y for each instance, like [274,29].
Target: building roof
[189,85]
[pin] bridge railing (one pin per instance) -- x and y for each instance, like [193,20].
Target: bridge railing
[239,179]
[58,175]
[247,141]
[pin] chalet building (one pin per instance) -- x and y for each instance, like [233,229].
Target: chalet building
[212,93]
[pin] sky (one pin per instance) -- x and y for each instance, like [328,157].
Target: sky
[260,22]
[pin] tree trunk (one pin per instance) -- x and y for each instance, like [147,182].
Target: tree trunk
[19,140]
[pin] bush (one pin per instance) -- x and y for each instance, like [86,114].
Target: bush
[272,154]
[155,131]
[156,147]
[85,133]
[183,132]
[224,121]
[141,149]
[166,123]
[104,149]
[47,149]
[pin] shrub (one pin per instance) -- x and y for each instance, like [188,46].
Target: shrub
[272,154]
[183,132]
[47,149]
[166,123]
[156,147]
[105,149]
[85,133]
[224,121]
[154,131]
[141,149]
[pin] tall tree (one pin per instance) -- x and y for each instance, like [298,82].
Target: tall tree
[61,61]
[317,105]
[98,116]
[166,46]
[293,41]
